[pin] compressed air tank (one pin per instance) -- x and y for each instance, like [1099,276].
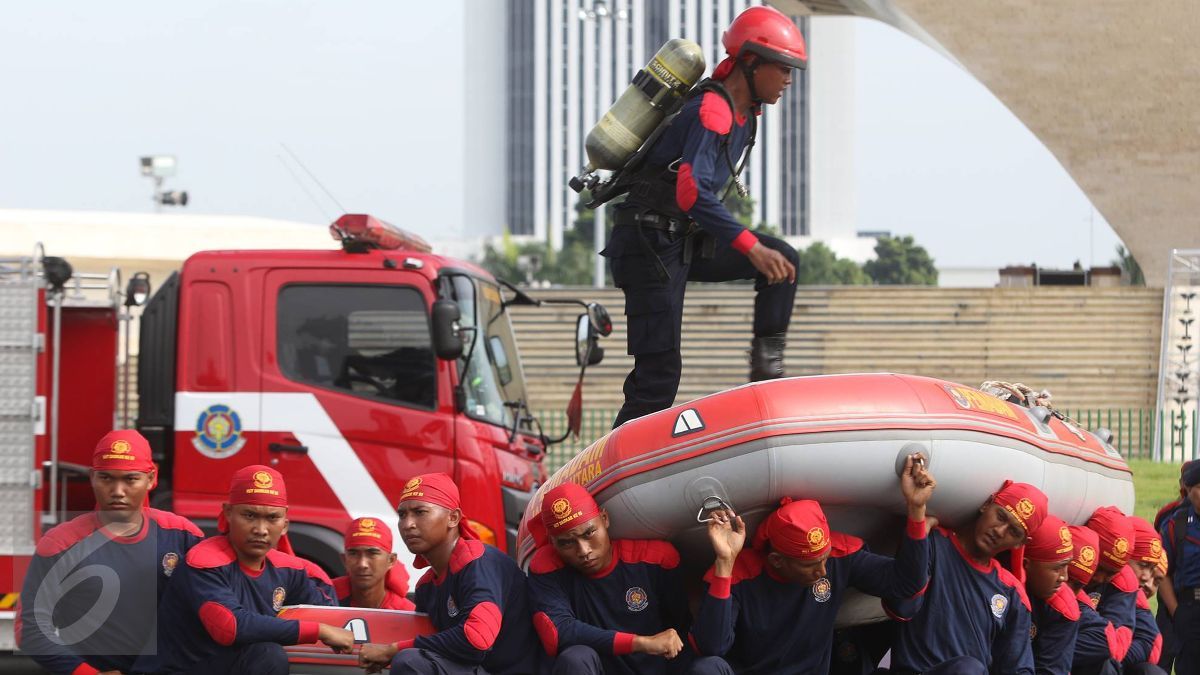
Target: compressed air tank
[654,92]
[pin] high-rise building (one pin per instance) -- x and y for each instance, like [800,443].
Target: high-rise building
[570,59]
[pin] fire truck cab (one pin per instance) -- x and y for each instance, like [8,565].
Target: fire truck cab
[349,371]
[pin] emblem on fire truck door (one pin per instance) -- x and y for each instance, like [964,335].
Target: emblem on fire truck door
[218,432]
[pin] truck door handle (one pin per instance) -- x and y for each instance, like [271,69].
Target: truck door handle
[284,447]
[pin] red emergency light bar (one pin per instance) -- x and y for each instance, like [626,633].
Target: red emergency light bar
[361,230]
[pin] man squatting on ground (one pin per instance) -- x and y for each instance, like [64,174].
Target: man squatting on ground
[219,614]
[474,594]
[771,608]
[123,536]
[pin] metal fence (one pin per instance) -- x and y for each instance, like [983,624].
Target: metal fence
[1132,429]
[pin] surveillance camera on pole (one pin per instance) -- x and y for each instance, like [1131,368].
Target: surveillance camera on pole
[160,167]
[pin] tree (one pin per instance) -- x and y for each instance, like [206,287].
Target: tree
[820,266]
[537,261]
[1131,271]
[900,261]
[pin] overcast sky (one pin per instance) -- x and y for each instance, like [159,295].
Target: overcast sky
[354,88]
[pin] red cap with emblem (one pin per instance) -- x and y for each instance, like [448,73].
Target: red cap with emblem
[369,533]
[257,485]
[437,489]
[1024,502]
[1051,542]
[1147,545]
[797,529]
[566,506]
[1085,545]
[122,450]
[1117,537]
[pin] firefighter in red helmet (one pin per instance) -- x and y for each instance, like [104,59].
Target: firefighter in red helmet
[674,227]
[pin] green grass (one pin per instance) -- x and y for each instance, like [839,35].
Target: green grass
[1155,484]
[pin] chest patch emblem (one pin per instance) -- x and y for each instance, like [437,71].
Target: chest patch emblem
[1095,598]
[822,590]
[277,598]
[999,604]
[169,561]
[451,608]
[636,599]
[1033,631]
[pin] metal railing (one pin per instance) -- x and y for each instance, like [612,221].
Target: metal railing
[1132,429]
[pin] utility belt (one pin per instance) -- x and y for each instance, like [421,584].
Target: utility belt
[1188,596]
[679,227]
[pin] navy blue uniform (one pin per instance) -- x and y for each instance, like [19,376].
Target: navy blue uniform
[481,612]
[968,610]
[1055,629]
[763,624]
[699,146]
[1116,599]
[640,593]
[1097,643]
[1146,645]
[218,616]
[128,630]
[1185,581]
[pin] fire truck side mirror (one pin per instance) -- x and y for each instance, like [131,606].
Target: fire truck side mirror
[587,350]
[447,334]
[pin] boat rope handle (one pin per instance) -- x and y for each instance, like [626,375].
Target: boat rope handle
[710,504]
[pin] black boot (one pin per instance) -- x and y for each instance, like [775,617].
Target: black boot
[766,357]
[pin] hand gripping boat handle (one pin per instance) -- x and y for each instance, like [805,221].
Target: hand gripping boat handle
[710,504]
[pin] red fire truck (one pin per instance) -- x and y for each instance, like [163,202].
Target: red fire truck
[348,370]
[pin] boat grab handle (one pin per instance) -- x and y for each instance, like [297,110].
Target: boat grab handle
[710,504]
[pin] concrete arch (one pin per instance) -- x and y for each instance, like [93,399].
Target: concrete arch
[1111,88]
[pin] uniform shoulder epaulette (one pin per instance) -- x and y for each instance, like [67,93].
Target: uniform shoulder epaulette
[286,560]
[211,553]
[545,560]
[1125,580]
[466,552]
[1065,603]
[1011,581]
[844,544]
[653,551]
[173,521]
[715,114]
[65,535]
[1142,602]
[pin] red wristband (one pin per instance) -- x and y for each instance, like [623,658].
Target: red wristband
[310,632]
[623,644]
[720,587]
[744,242]
[916,529]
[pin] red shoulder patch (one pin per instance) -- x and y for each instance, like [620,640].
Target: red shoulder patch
[171,521]
[211,553]
[65,535]
[715,114]
[546,560]
[280,559]
[1125,580]
[653,551]
[1011,581]
[394,600]
[1063,601]
[844,544]
[465,552]
[341,588]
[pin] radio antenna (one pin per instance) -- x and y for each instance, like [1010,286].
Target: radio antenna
[304,188]
[313,177]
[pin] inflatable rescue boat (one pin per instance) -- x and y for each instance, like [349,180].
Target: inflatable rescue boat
[841,440]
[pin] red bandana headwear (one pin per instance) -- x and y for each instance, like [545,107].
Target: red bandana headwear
[566,506]
[1085,553]
[1051,542]
[1147,545]
[797,529]
[1024,502]
[122,450]
[1116,534]
[437,489]
[369,533]
[257,485]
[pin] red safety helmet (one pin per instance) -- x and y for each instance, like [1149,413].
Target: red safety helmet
[769,33]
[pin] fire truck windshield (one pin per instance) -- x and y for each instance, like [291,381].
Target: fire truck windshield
[492,378]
